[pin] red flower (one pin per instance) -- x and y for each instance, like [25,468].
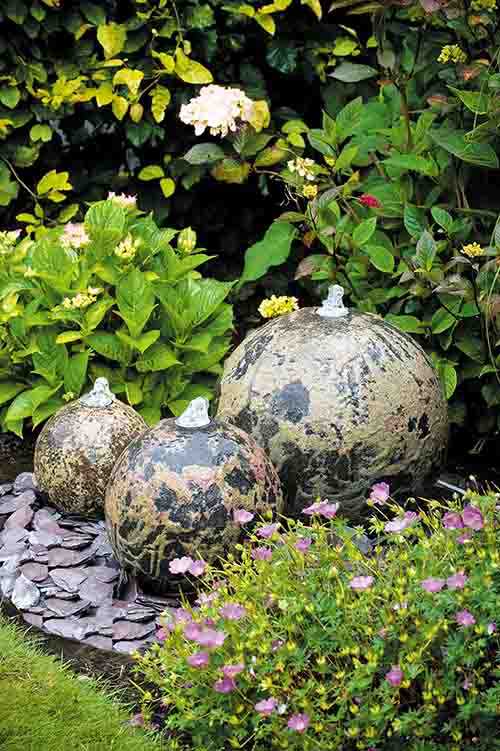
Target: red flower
[370,201]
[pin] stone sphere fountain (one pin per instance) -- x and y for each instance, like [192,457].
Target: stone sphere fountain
[339,400]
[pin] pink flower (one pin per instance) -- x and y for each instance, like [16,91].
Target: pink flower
[199,660]
[161,634]
[472,517]
[231,671]
[491,628]
[211,638]
[465,537]
[370,201]
[240,516]
[266,707]
[379,493]
[181,615]
[464,618]
[192,631]
[205,599]
[457,581]
[180,565]
[361,583]
[433,585]
[303,544]
[402,522]
[299,722]
[383,633]
[232,611]
[197,568]
[467,684]
[394,676]
[452,520]
[322,508]
[262,554]
[277,644]
[224,686]
[267,531]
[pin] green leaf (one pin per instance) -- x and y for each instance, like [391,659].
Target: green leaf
[45,410]
[93,13]
[282,56]
[159,357]
[108,345]
[319,141]
[364,231]
[76,372]
[480,154]
[130,78]
[41,132]
[410,324]
[203,297]
[136,301]
[194,390]
[475,101]
[380,257]
[160,99]
[189,70]
[10,96]
[441,321]
[96,312]
[346,157]
[272,250]
[112,38]
[426,251]
[204,153]
[26,403]
[167,186]
[151,172]
[348,119]
[448,378]
[411,162]
[414,220]
[105,224]
[69,336]
[442,217]
[134,392]
[348,72]
[9,389]
[143,342]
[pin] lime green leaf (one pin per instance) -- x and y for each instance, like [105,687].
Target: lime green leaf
[272,250]
[167,186]
[266,22]
[315,6]
[108,345]
[380,257]
[345,158]
[134,392]
[9,389]
[96,312]
[75,374]
[112,38]
[119,105]
[189,70]
[364,231]
[159,357]
[151,172]
[130,78]
[10,96]
[69,336]
[53,181]
[41,132]
[160,99]
[231,171]
[204,153]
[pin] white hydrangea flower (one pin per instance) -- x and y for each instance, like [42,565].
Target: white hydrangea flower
[126,202]
[217,108]
[74,236]
[302,167]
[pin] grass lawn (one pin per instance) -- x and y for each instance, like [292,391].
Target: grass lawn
[44,707]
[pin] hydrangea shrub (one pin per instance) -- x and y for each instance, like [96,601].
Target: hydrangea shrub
[304,641]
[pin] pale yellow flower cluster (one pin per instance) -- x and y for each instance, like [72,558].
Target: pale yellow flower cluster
[68,396]
[74,235]
[452,53]
[127,249]
[310,191]
[484,4]
[82,299]
[217,108]
[472,250]
[8,240]
[126,202]
[278,306]
[303,167]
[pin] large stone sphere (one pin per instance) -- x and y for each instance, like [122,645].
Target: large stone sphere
[339,400]
[79,446]
[173,493]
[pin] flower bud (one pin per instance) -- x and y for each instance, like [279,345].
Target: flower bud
[186,241]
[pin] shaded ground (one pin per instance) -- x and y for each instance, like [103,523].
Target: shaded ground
[44,707]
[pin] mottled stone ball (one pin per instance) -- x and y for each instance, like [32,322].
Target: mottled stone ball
[338,403]
[77,449]
[173,493]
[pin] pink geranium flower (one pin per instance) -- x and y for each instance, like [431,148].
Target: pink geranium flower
[472,517]
[491,628]
[266,707]
[464,537]
[465,618]
[232,611]
[231,671]
[262,554]
[402,522]
[240,516]
[452,520]
[380,493]
[224,686]
[161,634]
[180,565]
[303,544]
[361,583]
[211,638]
[197,568]
[456,581]
[192,631]
[433,585]
[267,531]
[299,722]
[322,508]
[394,676]
[199,660]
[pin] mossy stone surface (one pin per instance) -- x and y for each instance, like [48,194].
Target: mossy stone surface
[338,404]
[76,451]
[173,493]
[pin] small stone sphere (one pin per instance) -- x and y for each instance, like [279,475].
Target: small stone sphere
[338,403]
[173,493]
[77,449]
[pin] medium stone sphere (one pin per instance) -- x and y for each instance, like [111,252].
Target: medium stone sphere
[78,447]
[173,492]
[339,400]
